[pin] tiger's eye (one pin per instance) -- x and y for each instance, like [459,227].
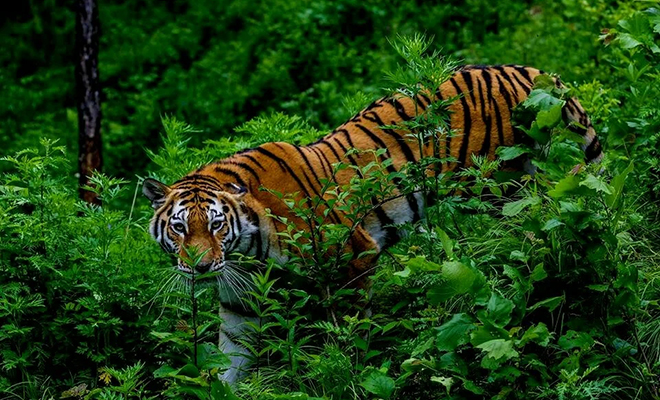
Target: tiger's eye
[216,225]
[179,227]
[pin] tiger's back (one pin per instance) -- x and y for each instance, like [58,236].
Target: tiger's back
[480,120]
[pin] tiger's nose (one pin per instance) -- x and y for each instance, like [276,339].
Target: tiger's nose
[203,267]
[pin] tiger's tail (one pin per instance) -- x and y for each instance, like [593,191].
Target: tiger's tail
[578,122]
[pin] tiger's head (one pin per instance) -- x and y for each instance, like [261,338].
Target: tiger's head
[200,215]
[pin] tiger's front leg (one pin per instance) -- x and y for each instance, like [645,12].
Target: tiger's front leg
[233,330]
[365,257]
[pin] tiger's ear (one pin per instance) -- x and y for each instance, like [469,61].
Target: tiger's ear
[233,188]
[155,191]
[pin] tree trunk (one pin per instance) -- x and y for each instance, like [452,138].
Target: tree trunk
[88,93]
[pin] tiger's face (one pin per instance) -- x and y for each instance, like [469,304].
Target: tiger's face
[199,220]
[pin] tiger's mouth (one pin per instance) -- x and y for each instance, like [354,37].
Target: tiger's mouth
[215,267]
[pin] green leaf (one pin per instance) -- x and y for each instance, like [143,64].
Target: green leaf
[538,334]
[418,264]
[498,349]
[209,357]
[499,310]
[379,384]
[596,184]
[544,82]
[540,99]
[514,208]
[613,200]
[538,273]
[551,117]
[627,41]
[221,391]
[506,153]
[551,224]
[541,136]
[454,333]
[570,185]
[458,279]
[550,304]
[573,339]
[447,243]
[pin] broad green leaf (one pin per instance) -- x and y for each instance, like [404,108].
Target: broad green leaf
[544,82]
[538,334]
[573,339]
[506,153]
[550,304]
[551,224]
[627,41]
[541,100]
[499,310]
[498,349]
[444,381]
[379,384]
[447,243]
[222,391]
[596,184]
[570,185]
[613,200]
[538,273]
[514,208]
[458,279]
[418,264]
[209,357]
[551,117]
[541,136]
[454,333]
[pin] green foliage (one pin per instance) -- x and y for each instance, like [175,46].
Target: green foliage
[72,294]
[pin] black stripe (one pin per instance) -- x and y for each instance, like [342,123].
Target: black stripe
[231,173]
[526,88]
[194,190]
[322,158]
[325,142]
[467,126]
[487,119]
[504,92]
[248,168]
[350,158]
[239,225]
[506,76]
[593,150]
[375,104]
[285,167]
[386,224]
[254,160]
[525,74]
[403,144]
[424,101]
[309,165]
[335,217]
[400,109]
[347,135]
[485,74]
[391,169]
[438,94]
[256,222]
[467,78]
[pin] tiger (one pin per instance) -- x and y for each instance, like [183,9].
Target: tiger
[221,208]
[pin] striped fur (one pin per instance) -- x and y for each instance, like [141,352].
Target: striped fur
[228,192]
